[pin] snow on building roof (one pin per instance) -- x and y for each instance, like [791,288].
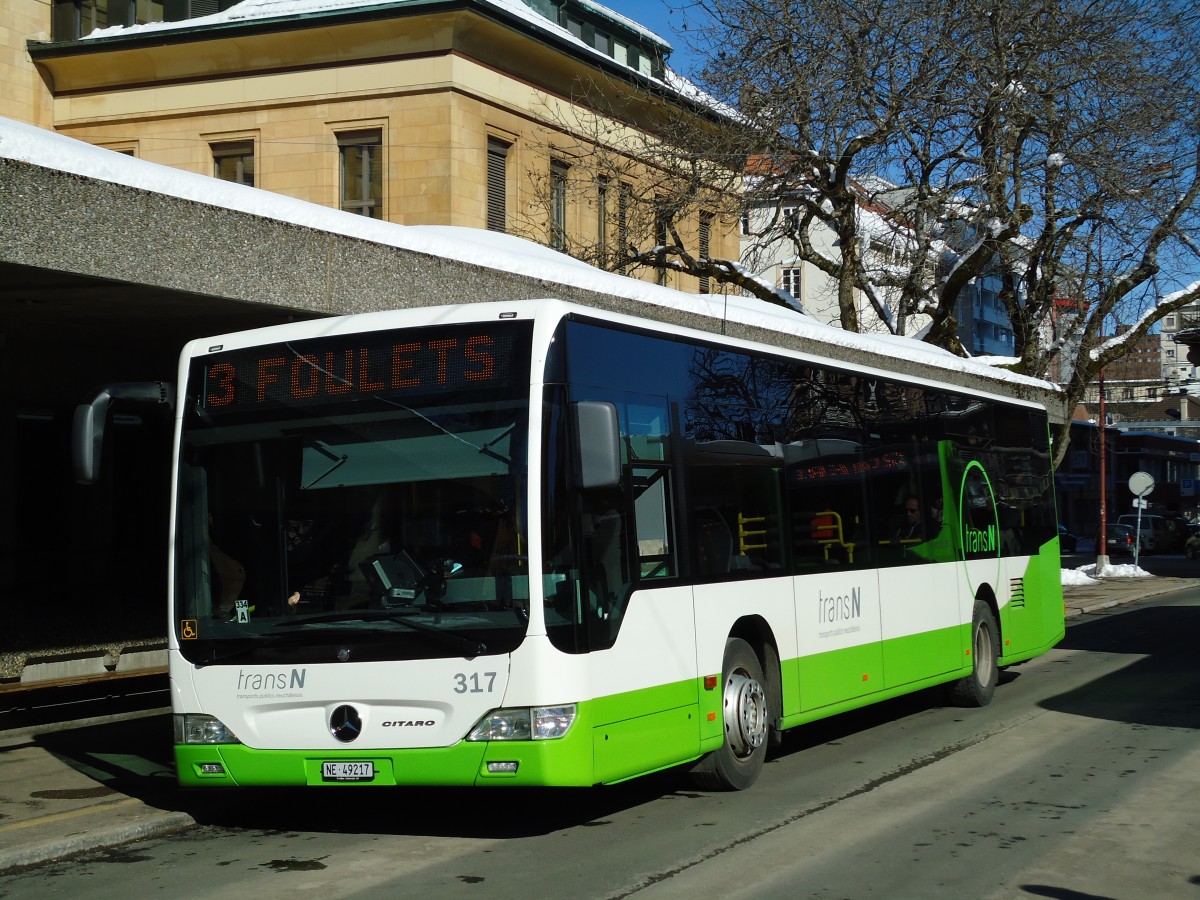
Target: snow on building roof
[259,11]
[267,10]
[37,146]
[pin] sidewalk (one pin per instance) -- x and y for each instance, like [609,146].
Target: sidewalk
[84,788]
[1104,593]
[96,786]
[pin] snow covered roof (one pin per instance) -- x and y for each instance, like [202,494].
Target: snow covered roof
[36,146]
[282,11]
[267,10]
[260,11]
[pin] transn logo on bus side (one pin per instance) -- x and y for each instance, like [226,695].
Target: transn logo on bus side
[839,608]
[979,541]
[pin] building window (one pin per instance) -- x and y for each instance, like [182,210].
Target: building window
[623,193]
[73,19]
[497,185]
[647,62]
[558,205]
[234,161]
[789,280]
[362,172]
[660,239]
[705,236]
[602,221]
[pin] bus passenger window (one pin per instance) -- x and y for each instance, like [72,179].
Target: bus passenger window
[736,520]
[652,514]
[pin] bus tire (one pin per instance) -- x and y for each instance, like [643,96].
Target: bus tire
[977,688]
[746,716]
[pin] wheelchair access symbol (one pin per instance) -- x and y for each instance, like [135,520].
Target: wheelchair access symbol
[189,630]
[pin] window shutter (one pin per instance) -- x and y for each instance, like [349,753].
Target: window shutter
[497,185]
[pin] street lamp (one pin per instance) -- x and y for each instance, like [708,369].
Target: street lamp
[1102,536]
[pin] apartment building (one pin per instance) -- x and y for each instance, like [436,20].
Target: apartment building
[984,326]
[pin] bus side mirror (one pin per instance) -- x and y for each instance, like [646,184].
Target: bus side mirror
[598,438]
[87,438]
[91,419]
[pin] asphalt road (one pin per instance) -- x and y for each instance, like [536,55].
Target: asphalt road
[1081,779]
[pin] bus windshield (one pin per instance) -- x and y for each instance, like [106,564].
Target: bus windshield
[390,528]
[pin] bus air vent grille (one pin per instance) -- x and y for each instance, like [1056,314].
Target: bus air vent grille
[1017,595]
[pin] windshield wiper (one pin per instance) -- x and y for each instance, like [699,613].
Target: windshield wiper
[246,646]
[473,647]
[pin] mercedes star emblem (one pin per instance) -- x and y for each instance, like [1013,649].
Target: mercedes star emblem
[345,724]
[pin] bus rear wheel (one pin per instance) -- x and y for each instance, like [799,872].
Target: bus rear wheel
[746,718]
[977,688]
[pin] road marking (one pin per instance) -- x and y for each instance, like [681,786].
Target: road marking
[71,814]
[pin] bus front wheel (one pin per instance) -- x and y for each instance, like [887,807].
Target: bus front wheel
[746,719]
[977,688]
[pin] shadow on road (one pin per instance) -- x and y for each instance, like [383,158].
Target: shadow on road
[1159,688]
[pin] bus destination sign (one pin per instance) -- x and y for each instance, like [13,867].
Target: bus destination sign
[359,366]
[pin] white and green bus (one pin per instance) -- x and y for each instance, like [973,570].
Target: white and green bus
[535,543]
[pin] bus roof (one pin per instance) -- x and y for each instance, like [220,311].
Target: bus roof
[749,322]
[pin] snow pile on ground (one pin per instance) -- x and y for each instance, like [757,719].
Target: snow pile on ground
[1088,574]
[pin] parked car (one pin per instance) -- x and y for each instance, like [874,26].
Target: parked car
[1067,542]
[1118,540]
[1160,534]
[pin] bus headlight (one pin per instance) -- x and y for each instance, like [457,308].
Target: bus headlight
[541,723]
[193,728]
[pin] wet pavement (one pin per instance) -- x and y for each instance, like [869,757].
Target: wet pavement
[71,789]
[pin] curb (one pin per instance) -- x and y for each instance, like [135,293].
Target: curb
[1138,589]
[1072,612]
[156,824]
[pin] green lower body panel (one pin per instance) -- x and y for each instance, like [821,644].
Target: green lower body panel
[637,746]
[565,762]
[827,678]
[921,656]
[638,733]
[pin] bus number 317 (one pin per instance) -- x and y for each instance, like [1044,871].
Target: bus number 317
[474,683]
